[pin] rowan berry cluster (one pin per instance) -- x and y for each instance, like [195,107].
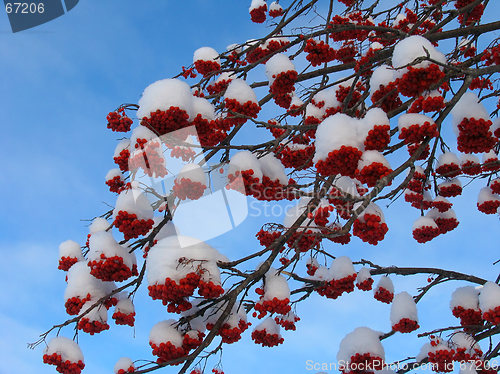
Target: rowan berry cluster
[131,226]
[206,68]
[131,369]
[372,173]
[65,263]
[148,159]
[371,229]
[491,56]
[468,317]
[162,122]
[64,367]
[442,360]
[218,87]
[362,361]
[167,351]
[470,16]
[124,318]
[418,132]
[274,305]
[297,158]
[266,339]
[174,294]
[383,295]
[258,15]
[122,160]
[336,287]
[74,304]
[249,109]
[92,327]
[343,161]
[111,269]
[378,138]
[417,80]
[475,136]
[187,189]
[427,104]
[118,121]
[365,285]
[183,153]
[425,233]
[319,53]
[451,189]
[387,97]
[303,240]
[266,238]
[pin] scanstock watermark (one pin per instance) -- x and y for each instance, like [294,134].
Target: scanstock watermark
[26,15]
[377,365]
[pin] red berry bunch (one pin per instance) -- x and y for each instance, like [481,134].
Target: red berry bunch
[269,48]
[124,319]
[119,121]
[352,18]
[209,290]
[336,287]
[122,160]
[492,315]
[111,269]
[184,153]
[258,15]
[491,164]
[205,68]
[370,230]
[74,304]
[470,16]
[449,189]
[450,170]
[303,240]
[249,109]
[365,285]
[288,321]
[481,83]
[231,334]
[266,238]
[468,50]
[131,226]
[341,93]
[192,340]
[341,239]
[442,359]
[65,263]
[495,186]
[406,325]
[167,351]
[378,138]
[92,327]
[64,367]
[116,184]
[346,52]
[427,104]
[468,317]
[284,83]
[148,159]
[311,269]
[218,87]
[277,12]
[371,174]
[131,369]
[321,215]
[417,80]
[247,184]
[491,56]
[174,294]
[471,168]
[297,158]
[283,100]
[162,122]
[318,53]
[446,224]
[489,206]
[442,206]
[424,234]
[266,339]
[274,305]
[412,148]
[387,97]
[417,133]
[363,362]
[188,73]
[475,136]
[187,189]
[383,295]
[343,161]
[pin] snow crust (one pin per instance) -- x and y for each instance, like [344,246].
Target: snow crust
[467,107]
[81,283]
[276,285]
[277,64]
[273,168]
[341,267]
[164,332]
[133,201]
[424,221]
[383,75]
[403,306]
[123,363]
[363,274]
[408,119]
[103,243]
[489,297]
[194,172]
[362,340]
[411,48]
[385,282]
[67,348]
[245,160]
[122,144]
[113,173]
[206,54]
[485,194]
[239,90]
[70,248]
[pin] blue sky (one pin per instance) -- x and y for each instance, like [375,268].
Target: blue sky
[58,82]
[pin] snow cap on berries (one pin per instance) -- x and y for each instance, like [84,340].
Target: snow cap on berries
[239,90]
[341,267]
[489,296]
[124,363]
[163,332]
[466,297]
[194,172]
[386,283]
[206,54]
[163,94]
[403,306]
[245,160]
[363,274]
[413,47]
[279,63]
[133,201]
[204,108]
[408,119]
[122,144]
[382,76]
[276,285]
[362,340]
[81,283]
[70,248]
[273,168]
[468,107]
[67,348]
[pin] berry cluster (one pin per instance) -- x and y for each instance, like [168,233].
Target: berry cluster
[412,148]
[209,290]
[383,295]
[65,263]
[365,285]
[249,109]
[92,327]
[442,359]
[425,233]
[192,340]
[446,224]
[111,269]
[188,73]
[276,11]
[406,325]
[162,122]
[124,319]
[131,226]
[442,205]
[205,68]
[378,138]
[258,15]
[74,304]
[167,351]
[174,294]
[336,287]
[119,121]
[492,315]
[341,239]
[346,52]
[427,104]
[364,363]
[131,369]
[116,184]
[371,229]
[64,367]
[372,173]
[230,334]
[343,161]
[148,159]
[449,189]
[468,317]
[491,56]
[246,184]
[265,339]
[218,87]
[122,160]
[475,136]
[261,52]
[470,16]
[489,206]
[299,159]
[288,321]
[187,189]
[284,83]
[418,132]
[266,238]
[311,269]
[274,305]
[471,168]
[303,240]
[481,83]
[387,97]
[319,53]
[184,153]
[355,18]
[416,81]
